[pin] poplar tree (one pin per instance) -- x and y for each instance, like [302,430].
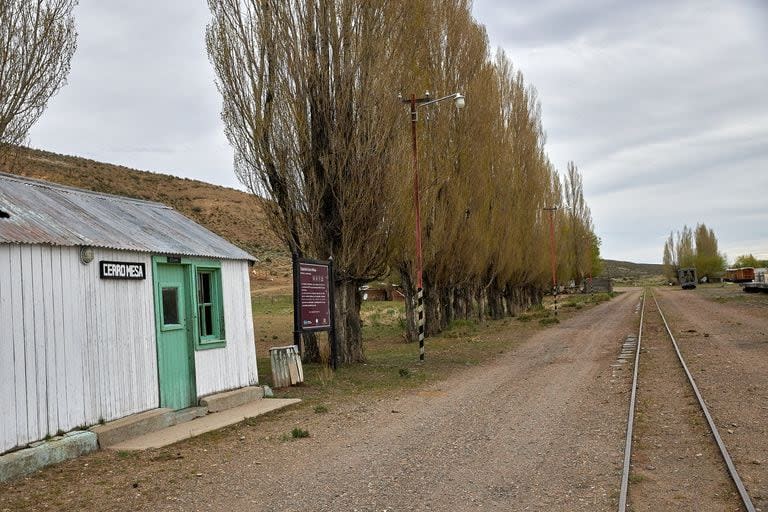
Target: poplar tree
[692,248]
[708,260]
[669,261]
[309,107]
[37,41]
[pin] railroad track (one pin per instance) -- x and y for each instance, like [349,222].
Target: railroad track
[715,434]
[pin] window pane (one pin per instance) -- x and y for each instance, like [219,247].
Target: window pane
[204,287]
[170,306]
[206,320]
[208,314]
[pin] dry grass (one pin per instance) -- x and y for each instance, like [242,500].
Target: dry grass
[392,365]
[237,216]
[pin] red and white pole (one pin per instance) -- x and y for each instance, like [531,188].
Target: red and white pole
[552,252]
[417,208]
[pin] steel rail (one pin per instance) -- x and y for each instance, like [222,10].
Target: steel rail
[631,417]
[723,450]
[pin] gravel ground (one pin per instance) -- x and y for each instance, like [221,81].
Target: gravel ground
[726,348]
[675,462]
[541,427]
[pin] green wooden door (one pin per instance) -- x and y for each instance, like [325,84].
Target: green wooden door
[175,353]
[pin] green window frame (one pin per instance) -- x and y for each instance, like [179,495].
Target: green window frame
[209,307]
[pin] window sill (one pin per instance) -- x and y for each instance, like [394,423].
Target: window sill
[207,345]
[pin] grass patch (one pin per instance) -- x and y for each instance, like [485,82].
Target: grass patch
[461,329]
[299,433]
[382,319]
[549,320]
[321,409]
[276,305]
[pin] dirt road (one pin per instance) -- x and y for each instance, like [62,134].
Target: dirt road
[541,427]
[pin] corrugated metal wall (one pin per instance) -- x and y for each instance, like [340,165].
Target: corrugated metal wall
[235,367]
[76,349]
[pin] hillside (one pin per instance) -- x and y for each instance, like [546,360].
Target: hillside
[236,216]
[632,273]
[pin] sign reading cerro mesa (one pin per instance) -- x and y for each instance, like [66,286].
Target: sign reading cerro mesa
[314,296]
[121,270]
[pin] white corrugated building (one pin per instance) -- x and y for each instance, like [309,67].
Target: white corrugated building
[110,306]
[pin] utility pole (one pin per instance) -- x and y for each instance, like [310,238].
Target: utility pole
[414,104]
[552,251]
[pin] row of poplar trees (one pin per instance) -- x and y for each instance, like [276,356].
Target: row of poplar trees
[311,107]
[693,248]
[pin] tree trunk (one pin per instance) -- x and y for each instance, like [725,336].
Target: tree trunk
[446,301]
[433,321]
[495,302]
[349,333]
[460,303]
[481,305]
[311,348]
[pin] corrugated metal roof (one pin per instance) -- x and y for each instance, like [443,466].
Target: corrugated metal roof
[45,213]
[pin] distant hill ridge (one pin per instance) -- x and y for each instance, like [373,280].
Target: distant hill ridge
[629,271]
[234,215]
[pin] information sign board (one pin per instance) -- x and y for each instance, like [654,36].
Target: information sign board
[314,296]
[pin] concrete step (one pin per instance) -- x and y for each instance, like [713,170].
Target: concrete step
[134,425]
[137,425]
[232,399]
[199,426]
[189,414]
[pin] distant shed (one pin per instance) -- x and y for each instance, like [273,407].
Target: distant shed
[110,306]
[598,284]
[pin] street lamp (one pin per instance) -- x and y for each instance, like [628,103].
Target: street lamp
[552,252]
[588,243]
[416,103]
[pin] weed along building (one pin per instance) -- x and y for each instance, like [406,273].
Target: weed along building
[111,306]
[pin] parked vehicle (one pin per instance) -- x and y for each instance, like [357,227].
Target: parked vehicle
[687,278]
[740,275]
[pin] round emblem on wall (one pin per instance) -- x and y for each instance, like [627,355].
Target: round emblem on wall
[86,255]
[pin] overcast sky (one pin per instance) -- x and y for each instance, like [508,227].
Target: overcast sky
[662,105]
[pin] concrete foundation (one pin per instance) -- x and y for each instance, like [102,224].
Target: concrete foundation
[149,429]
[45,453]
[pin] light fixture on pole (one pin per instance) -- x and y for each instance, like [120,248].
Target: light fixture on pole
[552,251]
[416,103]
[588,240]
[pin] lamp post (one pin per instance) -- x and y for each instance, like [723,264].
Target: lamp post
[552,252]
[416,103]
[588,243]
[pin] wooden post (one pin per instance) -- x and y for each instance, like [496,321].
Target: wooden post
[332,341]
[296,312]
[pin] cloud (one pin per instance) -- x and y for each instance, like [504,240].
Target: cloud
[661,105]
[141,92]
